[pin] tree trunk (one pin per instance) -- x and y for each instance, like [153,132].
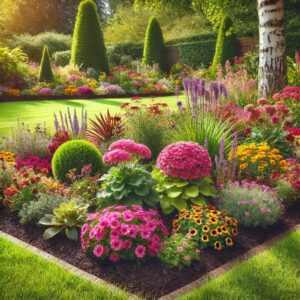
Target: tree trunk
[272,72]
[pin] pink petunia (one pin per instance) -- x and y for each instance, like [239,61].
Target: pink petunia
[140,251]
[98,250]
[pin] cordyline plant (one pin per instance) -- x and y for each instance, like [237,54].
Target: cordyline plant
[104,128]
[71,124]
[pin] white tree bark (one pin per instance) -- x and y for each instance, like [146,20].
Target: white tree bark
[272,50]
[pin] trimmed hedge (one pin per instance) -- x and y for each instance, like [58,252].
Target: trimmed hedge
[75,154]
[88,48]
[33,45]
[193,38]
[46,74]
[62,58]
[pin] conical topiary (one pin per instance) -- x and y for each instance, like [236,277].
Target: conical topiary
[88,48]
[46,74]
[226,47]
[154,47]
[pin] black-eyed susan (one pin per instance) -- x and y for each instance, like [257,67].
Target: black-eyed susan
[229,241]
[205,228]
[224,229]
[205,238]
[213,220]
[198,221]
[214,232]
[187,217]
[193,232]
[219,229]
[218,246]
[234,231]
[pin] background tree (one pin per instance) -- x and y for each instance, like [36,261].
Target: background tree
[154,46]
[88,48]
[46,74]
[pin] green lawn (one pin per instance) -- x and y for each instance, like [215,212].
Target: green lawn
[26,276]
[33,112]
[271,275]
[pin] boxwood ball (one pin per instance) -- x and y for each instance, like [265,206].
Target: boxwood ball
[75,154]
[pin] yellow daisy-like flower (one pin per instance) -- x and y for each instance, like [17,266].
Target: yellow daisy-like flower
[243,166]
[193,232]
[229,241]
[214,232]
[205,228]
[205,238]
[234,231]
[218,246]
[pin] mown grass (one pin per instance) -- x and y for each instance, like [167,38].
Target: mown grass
[33,112]
[26,276]
[271,275]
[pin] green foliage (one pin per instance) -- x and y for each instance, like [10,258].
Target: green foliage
[46,74]
[68,216]
[199,53]
[179,252]
[274,136]
[293,72]
[154,47]
[251,62]
[149,129]
[226,47]
[86,188]
[251,204]
[33,45]
[33,211]
[88,48]
[286,192]
[62,58]
[129,185]
[6,174]
[178,194]
[74,155]
[194,38]
[13,62]
[208,128]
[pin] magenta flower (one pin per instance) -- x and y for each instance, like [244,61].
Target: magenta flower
[117,156]
[185,160]
[140,251]
[98,250]
[84,91]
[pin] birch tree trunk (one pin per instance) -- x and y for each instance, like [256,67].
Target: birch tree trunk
[272,72]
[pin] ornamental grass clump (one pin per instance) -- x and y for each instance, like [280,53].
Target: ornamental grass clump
[119,232]
[179,252]
[258,161]
[182,174]
[207,226]
[251,204]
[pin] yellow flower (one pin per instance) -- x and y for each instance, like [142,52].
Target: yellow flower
[243,166]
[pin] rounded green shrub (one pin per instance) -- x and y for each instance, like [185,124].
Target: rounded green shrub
[226,47]
[75,154]
[88,48]
[46,74]
[154,48]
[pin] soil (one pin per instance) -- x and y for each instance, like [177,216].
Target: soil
[151,279]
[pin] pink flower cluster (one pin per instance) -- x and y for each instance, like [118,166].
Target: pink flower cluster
[45,92]
[84,91]
[185,160]
[59,138]
[35,162]
[289,92]
[117,156]
[121,232]
[139,150]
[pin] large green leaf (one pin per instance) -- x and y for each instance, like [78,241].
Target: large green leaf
[181,183]
[166,207]
[199,201]
[208,191]
[180,203]
[135,180]
[117,186]
[192,191]
[141,190]
[174,192]
[51,232]
[46,220]
[72,234]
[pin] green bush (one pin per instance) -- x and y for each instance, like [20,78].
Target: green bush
[88,48]
[292,43]
[135,50]
[75,154]
[62,58]
[154,47]
[193,38]
[33,45]
[226,48]
[46,74]
[33,211]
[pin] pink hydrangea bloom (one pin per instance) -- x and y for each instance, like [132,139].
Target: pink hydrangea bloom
[117,156]
[185,160]
[132,147]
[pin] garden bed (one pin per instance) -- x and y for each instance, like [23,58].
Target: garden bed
[151,279]
[5,98]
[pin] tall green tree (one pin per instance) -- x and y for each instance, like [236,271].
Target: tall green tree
[154,46]
[46,74]
[88,48]
[226,47]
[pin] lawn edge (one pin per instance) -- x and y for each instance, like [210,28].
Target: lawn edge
[68,267]
[227,266]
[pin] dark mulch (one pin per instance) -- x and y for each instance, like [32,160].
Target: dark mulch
[151,279]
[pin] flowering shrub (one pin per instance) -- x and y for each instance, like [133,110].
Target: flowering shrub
[178,251]
[139,151]
[258,161]
[251,204]
[125,233]
[45,92]
[7,158]
[84,91]
[35,162]
[178,194]
[6,177]
[185,160]
[127,184]
[207,226]
[58,139]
